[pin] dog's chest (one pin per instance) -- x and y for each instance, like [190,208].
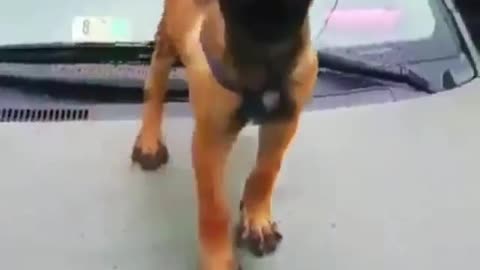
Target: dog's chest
[263,90]
[265,102]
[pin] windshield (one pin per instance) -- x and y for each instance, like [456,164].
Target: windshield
[401,46]
[405,30]
[398,33]
[352,22]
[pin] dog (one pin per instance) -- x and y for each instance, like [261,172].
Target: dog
[246,61]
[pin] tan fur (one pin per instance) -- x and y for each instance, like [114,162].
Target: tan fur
[178,36]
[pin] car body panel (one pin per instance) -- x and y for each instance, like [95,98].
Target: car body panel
[387,186]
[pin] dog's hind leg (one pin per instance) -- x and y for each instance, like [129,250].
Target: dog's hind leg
[150,150]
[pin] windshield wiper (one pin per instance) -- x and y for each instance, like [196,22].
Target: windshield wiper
[140,53]
[84,90]
[78,53]
[395,73]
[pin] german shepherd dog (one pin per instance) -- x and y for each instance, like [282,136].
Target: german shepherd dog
[245,61]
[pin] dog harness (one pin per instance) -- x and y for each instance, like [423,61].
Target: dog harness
[257,105]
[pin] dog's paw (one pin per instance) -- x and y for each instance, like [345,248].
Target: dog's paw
[150,158]
[258,234]
[216,264]
[239,267]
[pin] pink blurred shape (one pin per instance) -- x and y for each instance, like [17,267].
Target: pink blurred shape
[364,19]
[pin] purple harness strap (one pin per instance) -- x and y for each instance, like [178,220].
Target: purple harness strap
[218,70]
[253,106]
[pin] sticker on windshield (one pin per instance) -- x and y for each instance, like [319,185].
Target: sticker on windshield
[101,29]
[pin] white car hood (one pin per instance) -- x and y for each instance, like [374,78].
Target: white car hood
[391,186]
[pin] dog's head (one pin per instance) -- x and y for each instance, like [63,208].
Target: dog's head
[264,21]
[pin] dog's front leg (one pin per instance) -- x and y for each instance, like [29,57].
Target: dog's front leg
[257,230]
[210,149]
[150,150]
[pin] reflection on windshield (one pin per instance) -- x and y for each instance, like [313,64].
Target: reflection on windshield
[366,22]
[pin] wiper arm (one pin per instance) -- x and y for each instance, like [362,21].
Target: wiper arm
[397,73]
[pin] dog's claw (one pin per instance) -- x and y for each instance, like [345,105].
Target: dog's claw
[150,161]
[260,240]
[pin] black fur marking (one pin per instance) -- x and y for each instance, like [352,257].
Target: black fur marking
[265,21]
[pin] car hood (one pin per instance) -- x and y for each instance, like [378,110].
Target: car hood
[389,186]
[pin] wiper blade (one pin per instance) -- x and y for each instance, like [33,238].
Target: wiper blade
[84,90]
[138,53]
[395,73]
[78,53]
